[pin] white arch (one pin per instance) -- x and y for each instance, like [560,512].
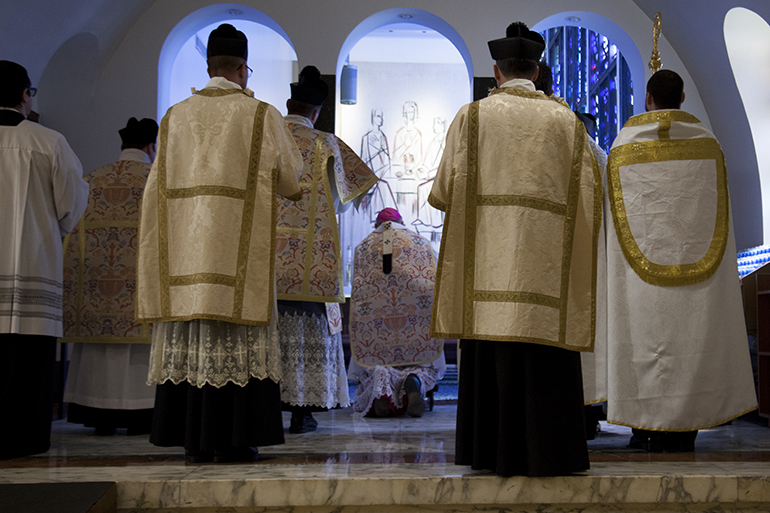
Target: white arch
[615,33]
[194,22]
[747,38]
[397,15]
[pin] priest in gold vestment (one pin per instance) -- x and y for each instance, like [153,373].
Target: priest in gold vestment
[309,261]
[517,269]
[107,376]
[206,263]
[678,355]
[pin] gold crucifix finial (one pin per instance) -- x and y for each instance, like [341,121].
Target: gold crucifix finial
[655,61]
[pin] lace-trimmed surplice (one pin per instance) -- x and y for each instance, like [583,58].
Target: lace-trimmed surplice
[205,352]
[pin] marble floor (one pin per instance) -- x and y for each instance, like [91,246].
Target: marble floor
[378,461]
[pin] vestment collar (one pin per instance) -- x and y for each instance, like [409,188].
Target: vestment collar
[298,120]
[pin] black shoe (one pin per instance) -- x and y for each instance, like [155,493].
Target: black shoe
[415,406]
[302,423]
[382,407]
[195,456]
[648,441]
[236,454]
[105,431]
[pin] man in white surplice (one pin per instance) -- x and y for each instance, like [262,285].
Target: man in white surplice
[42,196]
[678,358]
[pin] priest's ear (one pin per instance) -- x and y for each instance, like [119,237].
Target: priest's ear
[682,98]
[499,78]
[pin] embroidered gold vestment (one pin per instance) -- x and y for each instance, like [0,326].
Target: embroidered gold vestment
[390,313]
[100,259]
[522,196]
[308,256]
[207,237]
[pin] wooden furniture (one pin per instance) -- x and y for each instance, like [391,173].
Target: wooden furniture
[756,305]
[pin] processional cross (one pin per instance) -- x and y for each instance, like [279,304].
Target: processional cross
[655,63]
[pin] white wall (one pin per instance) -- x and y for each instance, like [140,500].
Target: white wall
[124,83]
[748,43]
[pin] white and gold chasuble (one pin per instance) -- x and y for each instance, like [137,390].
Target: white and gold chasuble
[390,313]
[522,196]
[678,355]
[308,257]
[207,237]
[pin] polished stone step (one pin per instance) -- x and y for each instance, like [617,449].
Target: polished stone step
[84,497]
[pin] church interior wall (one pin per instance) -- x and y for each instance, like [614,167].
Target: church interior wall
[121,66]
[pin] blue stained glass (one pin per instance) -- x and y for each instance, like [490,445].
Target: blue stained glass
[592,76]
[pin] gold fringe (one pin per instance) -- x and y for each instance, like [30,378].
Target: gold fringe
[688,429]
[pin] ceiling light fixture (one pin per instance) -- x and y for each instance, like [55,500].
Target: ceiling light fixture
[405,16]
[573,19]
[235,12]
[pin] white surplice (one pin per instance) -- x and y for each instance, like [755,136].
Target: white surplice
[43,197]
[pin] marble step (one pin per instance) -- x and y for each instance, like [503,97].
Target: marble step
[659,487]
[84,497]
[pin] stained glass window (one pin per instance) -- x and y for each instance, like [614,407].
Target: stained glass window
[592,76]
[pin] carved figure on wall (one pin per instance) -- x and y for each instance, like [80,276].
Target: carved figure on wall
[430,221]
[407,156]
[376,154]
[374,147]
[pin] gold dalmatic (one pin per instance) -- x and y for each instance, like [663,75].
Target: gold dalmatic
[519,250]
[308,257]
[207,239]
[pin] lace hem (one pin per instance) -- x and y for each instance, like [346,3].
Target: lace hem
[204,352]
[312,362]
[384,381]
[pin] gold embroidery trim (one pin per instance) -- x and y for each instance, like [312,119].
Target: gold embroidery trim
[291,229]
[81,274]
[436,203]
[523,93]
[521,201]
[510,338]
[247,222]
[200,278]
[664,129]
[336,244]
[213,93]
[573,195]
[728,419]
[163,263]
[442,248]
[310,237]
[469,264]
[676,275]
[598,207]
[206,190]
[504,296]
[657,116]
